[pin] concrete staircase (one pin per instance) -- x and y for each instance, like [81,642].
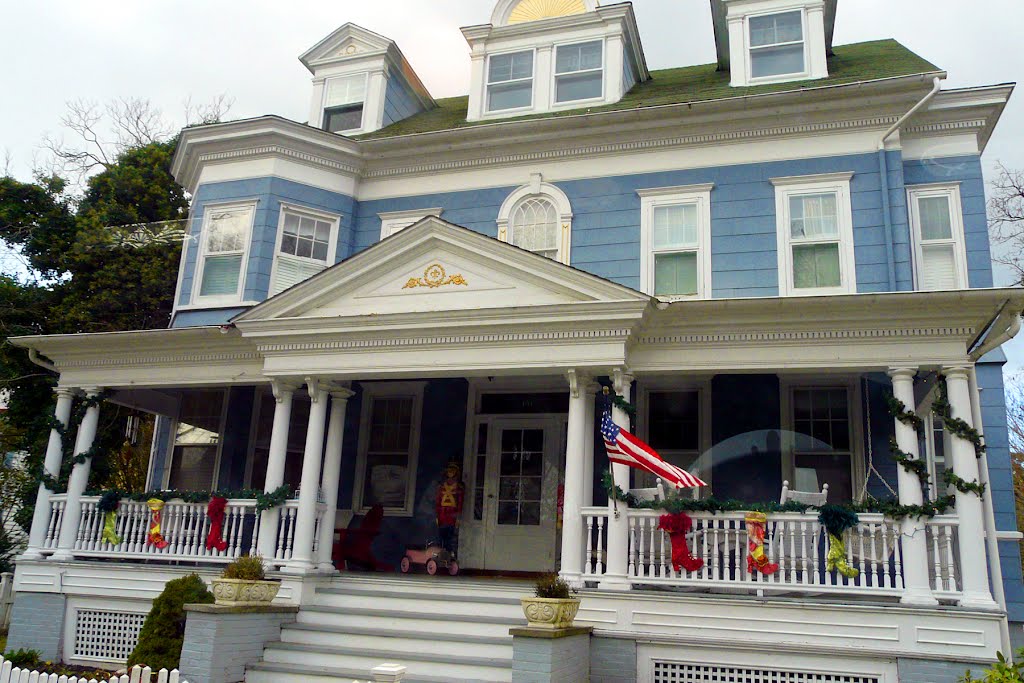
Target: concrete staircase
[443,629]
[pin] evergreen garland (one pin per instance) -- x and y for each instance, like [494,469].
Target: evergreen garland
[954,425]
[908,462]
[899,410]
[264,500]
[962,485]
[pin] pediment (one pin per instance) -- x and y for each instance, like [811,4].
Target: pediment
[435,266]
[347,41]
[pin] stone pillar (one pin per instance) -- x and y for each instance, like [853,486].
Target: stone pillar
[221,641]
[305,518]
[615,577]
[331,474]
[551,655]
[971,537]
[51,466]
[283,394]
[917,589]
[575,453]
[78,481]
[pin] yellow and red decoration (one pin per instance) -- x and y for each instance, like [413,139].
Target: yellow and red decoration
[154,538]
[757,559]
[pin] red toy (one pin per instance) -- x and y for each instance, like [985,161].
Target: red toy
[432,557]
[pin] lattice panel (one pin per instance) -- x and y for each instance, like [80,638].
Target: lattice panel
[109,636]
[678,672]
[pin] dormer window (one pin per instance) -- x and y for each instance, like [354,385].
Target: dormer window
[777,45]
[579,72]
[343,103]
[510,81]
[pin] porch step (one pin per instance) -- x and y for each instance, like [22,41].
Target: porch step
[451,630]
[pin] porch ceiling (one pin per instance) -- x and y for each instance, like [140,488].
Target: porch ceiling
[835,333]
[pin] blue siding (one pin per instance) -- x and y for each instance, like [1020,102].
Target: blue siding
[213,316]
[993,417]
[967,171]
[628,69]
[399,100]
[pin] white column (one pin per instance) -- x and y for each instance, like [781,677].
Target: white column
[78,481]
[331,474]
[283,394]
[51,467]
[590,389]
[973,564]
[305,517]
[618,524]
[572,502]
[917,589]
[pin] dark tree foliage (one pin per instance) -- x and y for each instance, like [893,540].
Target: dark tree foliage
[163,632]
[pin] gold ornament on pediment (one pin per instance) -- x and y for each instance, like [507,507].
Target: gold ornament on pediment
[435,276]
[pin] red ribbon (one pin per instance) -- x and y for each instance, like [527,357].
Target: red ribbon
[215,511]
[677,525]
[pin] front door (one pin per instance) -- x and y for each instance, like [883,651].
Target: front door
[521,495]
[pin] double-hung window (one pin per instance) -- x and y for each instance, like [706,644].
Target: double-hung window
[389,447]
[197,439]
[675,238]
[777,44]
[815,235]
[344,97]
[936,219]
[510,81]
[225,244]
[822,441]
[675,422]
[305,244]
[579,72]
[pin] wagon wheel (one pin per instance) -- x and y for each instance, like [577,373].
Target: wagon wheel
[431,566]
[405,565]
[453,568]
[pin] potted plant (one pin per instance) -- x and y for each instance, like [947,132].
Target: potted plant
[553,606]
[243,583]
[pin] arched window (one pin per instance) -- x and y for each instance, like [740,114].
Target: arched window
[537,217]
[534,226]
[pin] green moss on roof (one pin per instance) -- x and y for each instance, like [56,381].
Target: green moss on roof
[851,63]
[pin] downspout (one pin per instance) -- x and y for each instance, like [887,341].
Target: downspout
[998,339]
[883,170]
[34,356]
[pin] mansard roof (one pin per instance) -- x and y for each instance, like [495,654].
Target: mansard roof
[858,62]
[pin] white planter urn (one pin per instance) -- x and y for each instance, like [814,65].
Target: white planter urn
[550,613]
[244,593]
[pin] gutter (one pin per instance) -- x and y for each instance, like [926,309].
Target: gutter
[33,355]
[883,169]
[997,339]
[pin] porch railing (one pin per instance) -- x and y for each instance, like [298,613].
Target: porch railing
[794,541]
[185,527]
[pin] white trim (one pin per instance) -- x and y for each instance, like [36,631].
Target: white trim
[852,385]
[957,240]
[332,244]
[501,113]
[554,104]
[666,383]
[651,199]
[323,102]
[395,221]
[786,187]
[537,187]
[197,280]
[373,390]
[749,49]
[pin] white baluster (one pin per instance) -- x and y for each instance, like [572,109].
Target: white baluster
[602,546]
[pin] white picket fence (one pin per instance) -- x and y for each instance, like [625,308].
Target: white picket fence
[6,599]
[12,674]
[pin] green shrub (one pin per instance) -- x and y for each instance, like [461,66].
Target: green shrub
[551,586]
[246,568]
[1000,672]
[163,632]
[23,658]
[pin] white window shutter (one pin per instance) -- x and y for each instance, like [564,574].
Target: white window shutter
[292,271]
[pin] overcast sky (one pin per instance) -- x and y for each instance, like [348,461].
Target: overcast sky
[53,51]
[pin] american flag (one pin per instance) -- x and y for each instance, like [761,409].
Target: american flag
[624,448]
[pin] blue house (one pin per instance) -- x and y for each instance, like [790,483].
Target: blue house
[774,269]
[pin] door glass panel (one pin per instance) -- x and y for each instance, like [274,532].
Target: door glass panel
[522,469]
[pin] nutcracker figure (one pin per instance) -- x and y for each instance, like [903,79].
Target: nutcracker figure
[450,494]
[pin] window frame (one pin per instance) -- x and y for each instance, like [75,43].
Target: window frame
[487,82]
[653,198]
[958,238]
[203,252]
[390,219]
[324,107]
[332,244]
[375,390]
[555,104]
[702,386]
[173,440]
[563,208]
[788,187]
[854,397]
[749,48]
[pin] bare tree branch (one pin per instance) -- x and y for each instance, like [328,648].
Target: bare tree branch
[1006,219]
[213,111]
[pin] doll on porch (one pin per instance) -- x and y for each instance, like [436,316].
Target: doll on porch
[450,494]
